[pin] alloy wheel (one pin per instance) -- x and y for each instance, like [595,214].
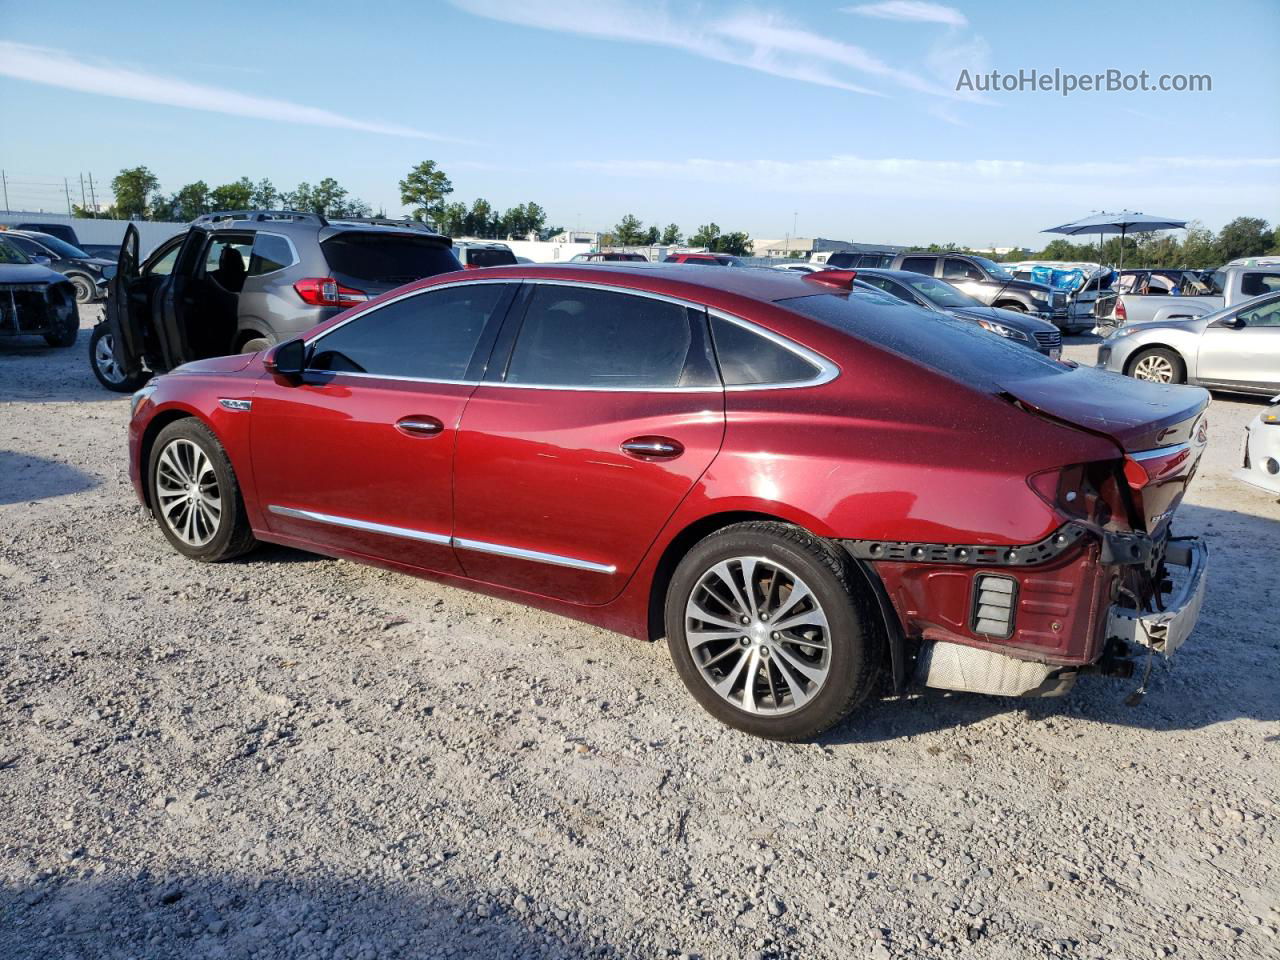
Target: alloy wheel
[758,635]
[1155,368]
[187,492]
[104,357]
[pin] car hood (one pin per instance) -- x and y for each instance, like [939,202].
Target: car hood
[1136,414]
[27,273]
[232,364]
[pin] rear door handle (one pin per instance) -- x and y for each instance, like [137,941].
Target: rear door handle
[652,448]
[419,426]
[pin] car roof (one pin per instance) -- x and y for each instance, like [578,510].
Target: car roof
[894,274]
[755,283]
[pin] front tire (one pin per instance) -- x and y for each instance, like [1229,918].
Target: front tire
[194,494]
[1157,365]
[66,336]
[1013,305]
[102,358]
[769,632]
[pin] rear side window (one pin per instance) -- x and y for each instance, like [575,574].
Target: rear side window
[574,337]
[1256,284]
[427,336]
[957,348]
[919,265]
[390,259]
[485,257]
[270,253]
[953,269]
[748,358]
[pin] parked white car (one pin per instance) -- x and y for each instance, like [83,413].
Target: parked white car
[1262,450]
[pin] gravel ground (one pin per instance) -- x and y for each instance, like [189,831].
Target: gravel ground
[291,756]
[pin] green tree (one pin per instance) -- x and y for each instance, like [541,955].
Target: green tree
[651,236]
[302,198]
[706,236]
[671,235]
[160,208]
[1244,237]
[424,189]
[265,195]
[479,220]
[453,219]
[738,244]
[629,232]
[535,218]
[192,200]
[330,198]
[233,196]
[132,187]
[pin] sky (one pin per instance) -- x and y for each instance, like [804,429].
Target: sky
[837,119]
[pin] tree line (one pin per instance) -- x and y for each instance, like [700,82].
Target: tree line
[631,232]
[1198,248]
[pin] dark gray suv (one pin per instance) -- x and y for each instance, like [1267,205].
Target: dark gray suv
[241,281]
[993,284]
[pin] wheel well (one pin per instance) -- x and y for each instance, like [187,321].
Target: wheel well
[246,334]
[158,423]
[1010,304]
[1128,364]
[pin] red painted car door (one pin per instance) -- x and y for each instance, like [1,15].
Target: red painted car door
[608,412]
[359,454]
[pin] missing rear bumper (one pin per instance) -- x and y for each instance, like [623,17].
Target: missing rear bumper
[1165,630]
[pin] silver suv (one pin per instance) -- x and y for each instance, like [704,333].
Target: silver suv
[241,281]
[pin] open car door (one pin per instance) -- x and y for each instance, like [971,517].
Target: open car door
[123,318]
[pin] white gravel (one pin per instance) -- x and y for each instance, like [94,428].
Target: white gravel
[297,757]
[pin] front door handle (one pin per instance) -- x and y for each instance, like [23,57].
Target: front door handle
[652,448]
[419,426]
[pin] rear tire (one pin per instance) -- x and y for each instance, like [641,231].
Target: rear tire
[102,359]
[1157,365]
[194,494]
[255,345]
[805,677]
[86,290]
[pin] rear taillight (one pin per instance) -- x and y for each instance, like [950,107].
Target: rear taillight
[471,266]
[328,292]
[1120,313]
[1082,491]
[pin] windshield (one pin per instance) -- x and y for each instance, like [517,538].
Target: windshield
[958,348]
[940,293]
[997,270]
[382,259]
[61,247]
[11,254]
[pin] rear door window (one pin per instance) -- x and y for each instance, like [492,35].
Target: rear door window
[919,265]
[749,358]
[394,259]
[599,339]
[1256,284]
[271,252]
[425,336]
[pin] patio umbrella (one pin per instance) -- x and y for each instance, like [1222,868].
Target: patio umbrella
[1121,223]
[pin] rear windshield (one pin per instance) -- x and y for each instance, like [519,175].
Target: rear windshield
[485,257]
[378,258]
[957,348]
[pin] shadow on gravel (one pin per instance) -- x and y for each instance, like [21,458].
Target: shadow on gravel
[1229,668]
[236,916]
[24,478]
[33,372]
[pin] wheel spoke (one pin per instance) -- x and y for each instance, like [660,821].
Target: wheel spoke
[725,575]
[798,592]
[725,685]
[814,617]
[798,694]
[749,683]
[803,669]
[698,612]
[698,638]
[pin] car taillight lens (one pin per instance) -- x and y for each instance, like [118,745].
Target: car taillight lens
[471,266]
[328,292]
[1121,313]
[1082,491]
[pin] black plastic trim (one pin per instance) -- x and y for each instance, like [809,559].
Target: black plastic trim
[974,555]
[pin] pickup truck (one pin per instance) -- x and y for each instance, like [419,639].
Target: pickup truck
[994,285]
[1228,286]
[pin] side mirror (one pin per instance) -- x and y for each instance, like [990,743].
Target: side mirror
[289,359]
[41,259]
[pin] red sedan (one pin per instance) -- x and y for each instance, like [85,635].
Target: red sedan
[807,488]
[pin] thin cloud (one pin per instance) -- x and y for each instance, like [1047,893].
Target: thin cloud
[851,174]
[58,68]
[914,11]
[756,41]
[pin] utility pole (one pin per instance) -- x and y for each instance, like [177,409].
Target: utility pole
[67,190]
[82,203]
[92,198]
[5,180]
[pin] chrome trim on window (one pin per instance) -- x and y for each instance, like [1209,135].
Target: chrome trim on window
[479,546]
[365,525]
[828,371]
